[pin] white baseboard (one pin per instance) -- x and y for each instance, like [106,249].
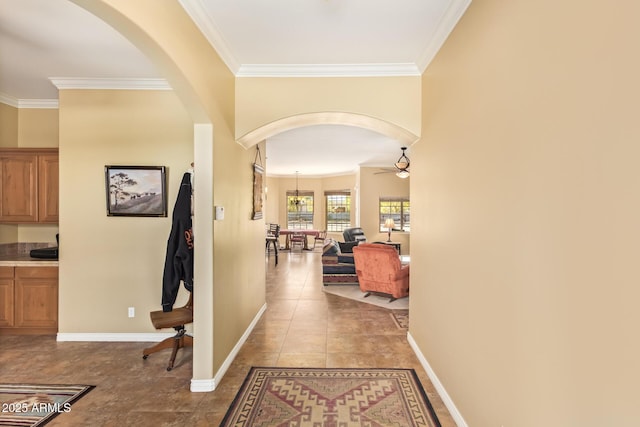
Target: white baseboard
[446,399]
[210,384]
[202,386]
[114,337]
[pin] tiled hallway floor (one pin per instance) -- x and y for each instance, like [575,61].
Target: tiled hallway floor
[302,326]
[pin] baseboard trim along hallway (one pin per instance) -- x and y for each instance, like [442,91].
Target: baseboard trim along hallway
[446,399]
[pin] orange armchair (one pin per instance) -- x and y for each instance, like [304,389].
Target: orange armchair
[379,270]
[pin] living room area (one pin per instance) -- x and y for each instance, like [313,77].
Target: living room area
[364,196]
[371,203]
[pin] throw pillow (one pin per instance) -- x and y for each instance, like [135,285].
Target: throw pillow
[331,248]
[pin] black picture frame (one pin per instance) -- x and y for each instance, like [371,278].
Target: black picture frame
[136,190]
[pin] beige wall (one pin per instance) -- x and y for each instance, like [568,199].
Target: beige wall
[524,299]
[8,233]
[8,126]
[260,101]
[231,287]
[40,233]
[110,263]
[38,127]
[239,270]
[272,200]
[373,186]
[28,127]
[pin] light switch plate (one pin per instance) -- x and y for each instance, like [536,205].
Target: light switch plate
[219,212]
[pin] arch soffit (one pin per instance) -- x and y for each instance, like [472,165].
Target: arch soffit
[328,118]
[135,33]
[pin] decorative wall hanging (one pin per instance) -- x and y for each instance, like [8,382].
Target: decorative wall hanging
[258,185]
[136,190]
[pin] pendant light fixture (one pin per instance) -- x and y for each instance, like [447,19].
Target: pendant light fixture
[297,201]
[402,165]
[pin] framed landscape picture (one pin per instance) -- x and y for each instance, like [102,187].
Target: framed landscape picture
[136,190]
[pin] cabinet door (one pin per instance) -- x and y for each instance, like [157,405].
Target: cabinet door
[36,297]
[6,302]
[18,201]
[48,188]
[6,296]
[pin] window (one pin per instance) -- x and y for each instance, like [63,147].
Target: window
[300,216]
[399,210]
[338,205]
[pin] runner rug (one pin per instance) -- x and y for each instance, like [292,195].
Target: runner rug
[30,405]
[310,397]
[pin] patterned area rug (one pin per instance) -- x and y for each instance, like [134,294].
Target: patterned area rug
[30,405]
[401,318]
[310,397]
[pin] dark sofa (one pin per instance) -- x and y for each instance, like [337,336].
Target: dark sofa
[338,268]
[352,237]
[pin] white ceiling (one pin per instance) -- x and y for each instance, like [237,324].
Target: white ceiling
[335,149]
[41,40]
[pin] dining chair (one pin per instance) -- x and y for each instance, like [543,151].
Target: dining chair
[273,239]
[298,239]
[322,236]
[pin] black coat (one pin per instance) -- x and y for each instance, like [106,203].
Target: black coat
[178,265]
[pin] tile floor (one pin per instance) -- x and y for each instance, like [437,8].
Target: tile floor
[302,326]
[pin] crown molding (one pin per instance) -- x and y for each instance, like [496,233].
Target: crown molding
[38,103]
[86,83]
[110,83]
[327,70]
[448,21]
[9,100]
[28,103]
[198,14]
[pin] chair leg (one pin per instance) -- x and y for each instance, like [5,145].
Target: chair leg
[165,343]
[176,342]
[275,248]
[179,342]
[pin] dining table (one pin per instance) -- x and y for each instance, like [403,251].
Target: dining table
[288,232]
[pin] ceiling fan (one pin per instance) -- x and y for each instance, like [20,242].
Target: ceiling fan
[401,167]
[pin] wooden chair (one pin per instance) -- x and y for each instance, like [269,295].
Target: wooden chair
[176,319]
[322,236]
[298,239]
[273,238]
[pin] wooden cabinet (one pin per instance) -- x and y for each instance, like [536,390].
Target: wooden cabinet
[29,300]
[48,194]
[6,296]
[29,185]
